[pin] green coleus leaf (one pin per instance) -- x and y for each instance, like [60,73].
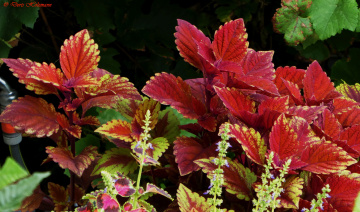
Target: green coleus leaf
[237,179]
[331,17]
[292,20]
[116,160]
[190,201]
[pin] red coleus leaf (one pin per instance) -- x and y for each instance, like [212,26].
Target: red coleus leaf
[67,160]
[235,100]
[116,129]
[290,74]
[32,202]
[344,190]
[48,74]
[74,130]
[79,55]
[57,193]
[279,104]
[124,186]
[169,90]
[20,68]
[33,115]
[292,191]
[258,70]
[350,91]
[187,36]
[189,201]
[325,157]
[237,179]
[349,117]
[306,112]
[150,188]
[352,137]
[109,91]
[342,105]
[107,203]
[329,124]
[317,85]
[293,91]
[187,150]
[230,41]
[251,141]
[283,139]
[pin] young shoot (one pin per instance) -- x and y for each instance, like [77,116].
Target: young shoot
[270,189]
[217,181]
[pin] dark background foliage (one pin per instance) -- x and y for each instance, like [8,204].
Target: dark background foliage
[136,40]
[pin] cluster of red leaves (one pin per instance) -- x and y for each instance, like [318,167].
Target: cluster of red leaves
[296,114]
[318,130]
[79,86]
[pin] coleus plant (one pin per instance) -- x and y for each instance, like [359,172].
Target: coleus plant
[79,85]
[292,113]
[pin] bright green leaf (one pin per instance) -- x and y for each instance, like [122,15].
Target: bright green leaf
[331,17]
[11,172]
[12,195]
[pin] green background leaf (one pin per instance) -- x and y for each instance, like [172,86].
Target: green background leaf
[331,17]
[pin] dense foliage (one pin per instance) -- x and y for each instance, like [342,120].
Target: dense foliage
[260,136]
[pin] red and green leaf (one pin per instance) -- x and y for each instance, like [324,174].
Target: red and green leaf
[292,191]
[350,91]
[190,201]
[325,158]
[79,55]
[139,117]
[67,160]
[33,115]
[230,41]
[116,160]
[107,203]
[150,188]
[238,180]
[187,150]
[124,186]
[251,141]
